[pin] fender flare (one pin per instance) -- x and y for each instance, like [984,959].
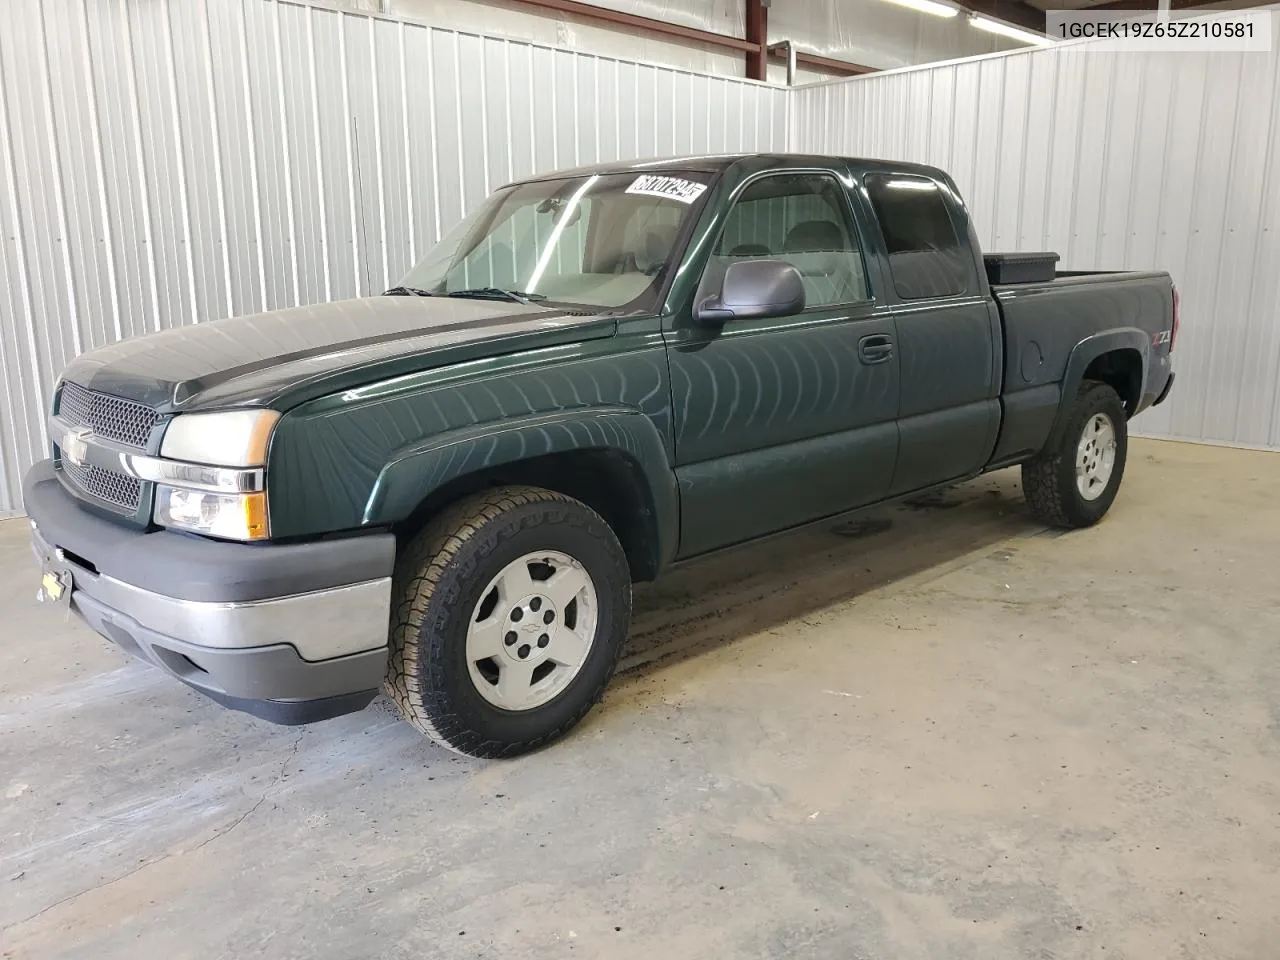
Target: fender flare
[417,470]
[1083,354]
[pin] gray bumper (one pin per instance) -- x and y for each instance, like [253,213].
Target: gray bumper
[272,630]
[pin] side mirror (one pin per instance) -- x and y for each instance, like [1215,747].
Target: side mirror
[754,290]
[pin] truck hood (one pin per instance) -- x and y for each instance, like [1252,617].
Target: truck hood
[285,357]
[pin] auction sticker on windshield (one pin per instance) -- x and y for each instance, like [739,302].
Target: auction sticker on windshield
[670,188]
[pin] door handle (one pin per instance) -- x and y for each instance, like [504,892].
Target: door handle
[876,348]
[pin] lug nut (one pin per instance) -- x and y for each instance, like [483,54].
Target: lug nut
[548,616]
[516,614]
[523,651]
[510,638]
[535,603]
[543,641]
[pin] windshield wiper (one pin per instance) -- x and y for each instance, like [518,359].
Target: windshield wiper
[407,292]
[497,293]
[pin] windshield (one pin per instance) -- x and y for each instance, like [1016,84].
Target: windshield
[603,241]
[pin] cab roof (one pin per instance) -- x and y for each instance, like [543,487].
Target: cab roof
[753,162]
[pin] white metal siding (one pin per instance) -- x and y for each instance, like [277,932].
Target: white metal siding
[173,161]
[1116,161]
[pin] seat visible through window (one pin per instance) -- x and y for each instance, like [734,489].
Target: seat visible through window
[801,219]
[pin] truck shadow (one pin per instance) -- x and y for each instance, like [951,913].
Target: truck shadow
[757,587]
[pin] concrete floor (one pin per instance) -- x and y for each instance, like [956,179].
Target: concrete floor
[943,733]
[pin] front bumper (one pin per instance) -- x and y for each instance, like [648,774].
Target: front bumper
[290,633]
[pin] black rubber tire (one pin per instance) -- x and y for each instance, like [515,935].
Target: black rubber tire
[1049,480]
[437,585]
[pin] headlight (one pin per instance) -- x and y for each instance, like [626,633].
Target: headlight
[210,479]
[234,438]
[232,516]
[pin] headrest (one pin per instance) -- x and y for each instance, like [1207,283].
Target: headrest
[813,236]
[655,247]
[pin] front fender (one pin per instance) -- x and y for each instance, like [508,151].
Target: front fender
[1084,353]
[416,470]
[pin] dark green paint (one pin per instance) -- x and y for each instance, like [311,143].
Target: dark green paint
[734,433]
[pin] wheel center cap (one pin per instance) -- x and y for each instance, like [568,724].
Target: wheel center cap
[528,629]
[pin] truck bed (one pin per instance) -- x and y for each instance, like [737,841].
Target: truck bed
[1044,321]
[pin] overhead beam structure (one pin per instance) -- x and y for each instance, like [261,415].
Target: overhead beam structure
[754,46]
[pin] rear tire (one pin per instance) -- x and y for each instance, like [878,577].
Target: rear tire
[510,609]
[1074,483]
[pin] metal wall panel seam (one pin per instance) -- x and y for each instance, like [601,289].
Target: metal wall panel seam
[254,190]
[144,193]
[1109,119]
[100,176]
[28,295]
[1002,99]
[180,161]
[1019,220]
[484,116]
[690,127]
[377,155]
[462,159]
[59,187]
[1075,168]
[1176,397]
[595,105]
[951,125]
[10,424]
[1164,179]
[286,153]
[323,217]
[672,112]
[755,125]
[1269,169]
[577,136]
[1133,168]
[408,151]
[435,138]
[506,111]
[352,168]
[555,120]
[206,37]
[617,121]
[1222,237]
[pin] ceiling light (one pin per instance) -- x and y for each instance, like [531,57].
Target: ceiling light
[1005,30]
[928,6]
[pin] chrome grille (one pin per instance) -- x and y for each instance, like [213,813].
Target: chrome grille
[110,418]
[105,485]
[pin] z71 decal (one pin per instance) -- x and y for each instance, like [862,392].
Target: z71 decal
[669,188]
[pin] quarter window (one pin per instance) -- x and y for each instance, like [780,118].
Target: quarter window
[926,258]
[799,218]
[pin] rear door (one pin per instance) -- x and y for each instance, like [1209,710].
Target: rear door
[947,331]
[789,419]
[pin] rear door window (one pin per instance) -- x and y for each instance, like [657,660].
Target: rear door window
[926,257]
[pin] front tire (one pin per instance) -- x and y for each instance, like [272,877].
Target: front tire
[1073,484]
[510,611]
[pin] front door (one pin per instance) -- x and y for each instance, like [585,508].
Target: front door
[785,420]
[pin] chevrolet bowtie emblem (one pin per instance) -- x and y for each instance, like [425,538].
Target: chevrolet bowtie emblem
[75,446]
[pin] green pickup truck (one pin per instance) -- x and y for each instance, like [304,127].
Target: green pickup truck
[447,491]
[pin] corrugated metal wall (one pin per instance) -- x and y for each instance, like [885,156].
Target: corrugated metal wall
[1117,161]
[177,160]
[173,161]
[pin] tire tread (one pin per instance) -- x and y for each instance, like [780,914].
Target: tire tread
[419,573]
[1043,485]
